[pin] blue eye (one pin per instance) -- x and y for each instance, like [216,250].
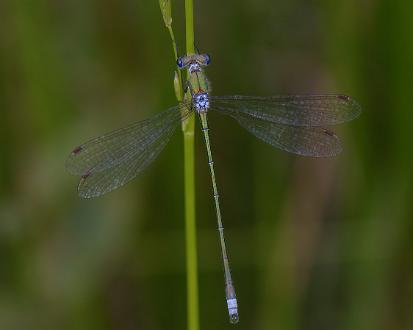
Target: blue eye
[207,59]
[180,63]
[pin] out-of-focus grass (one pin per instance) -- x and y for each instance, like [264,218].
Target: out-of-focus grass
[315,244]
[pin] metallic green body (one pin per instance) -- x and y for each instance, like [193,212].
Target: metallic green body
[198,83]
[198,93]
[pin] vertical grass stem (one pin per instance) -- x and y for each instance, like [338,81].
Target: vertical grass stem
[188,127]
[189,167]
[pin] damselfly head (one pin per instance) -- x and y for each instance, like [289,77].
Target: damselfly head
[194,61]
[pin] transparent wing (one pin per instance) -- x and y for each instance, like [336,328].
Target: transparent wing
[294,110]
[304,141]
[94,184]
[109,161]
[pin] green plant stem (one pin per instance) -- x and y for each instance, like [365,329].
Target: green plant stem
[189,167]
[190,230]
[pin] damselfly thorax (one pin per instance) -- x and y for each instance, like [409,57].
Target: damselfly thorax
[197,82]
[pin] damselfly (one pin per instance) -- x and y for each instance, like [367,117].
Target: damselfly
[294,123]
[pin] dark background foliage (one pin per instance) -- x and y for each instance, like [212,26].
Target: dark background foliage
[315,243]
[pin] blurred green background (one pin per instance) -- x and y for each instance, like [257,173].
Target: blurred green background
[314,243]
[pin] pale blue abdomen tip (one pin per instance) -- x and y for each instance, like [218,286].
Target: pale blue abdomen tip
[233,310]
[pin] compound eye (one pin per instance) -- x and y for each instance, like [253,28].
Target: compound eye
[207,59]
[180,63]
